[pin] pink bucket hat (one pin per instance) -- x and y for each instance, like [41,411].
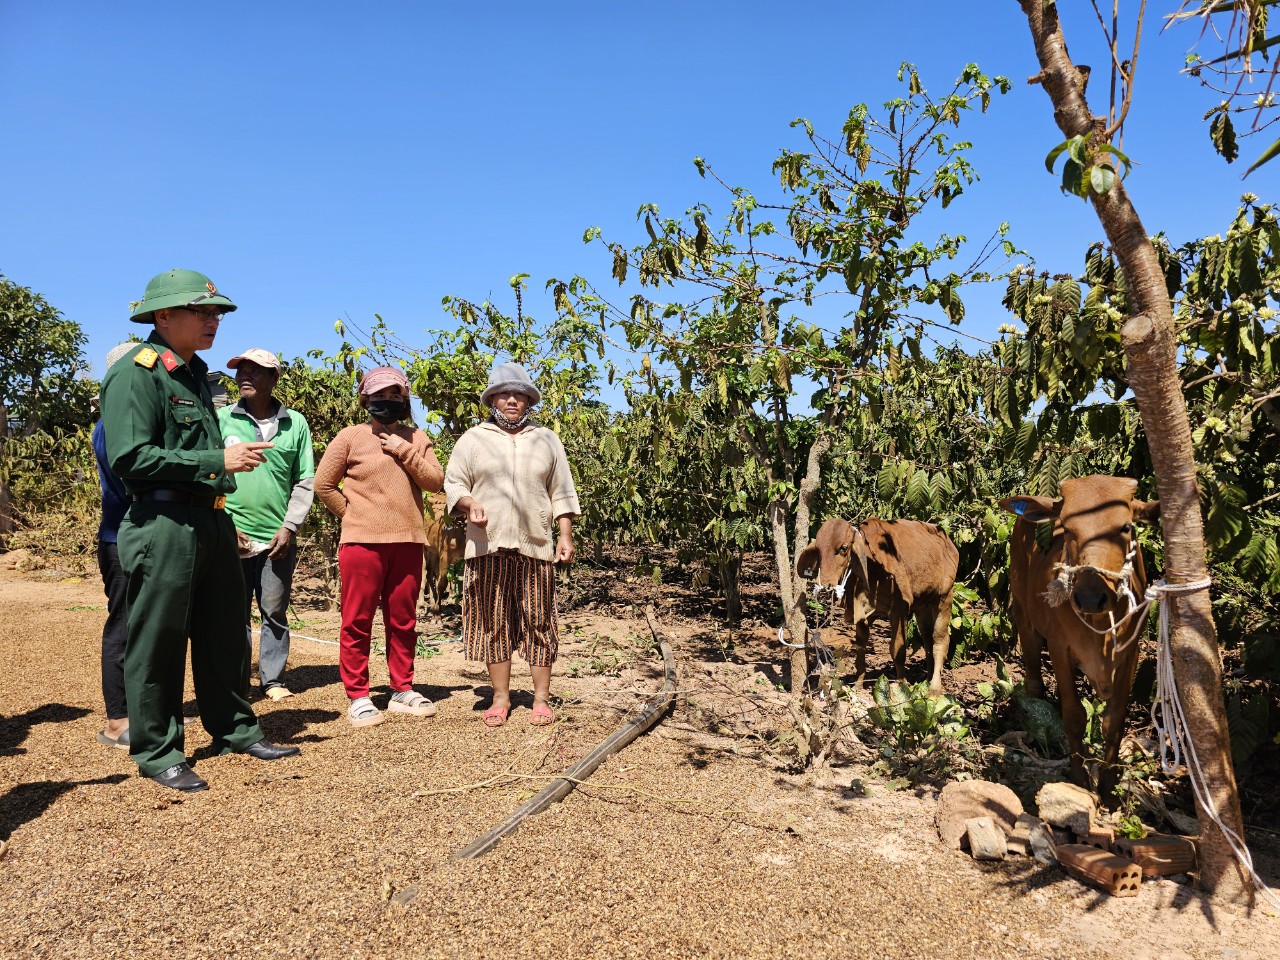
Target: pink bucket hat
[380,377]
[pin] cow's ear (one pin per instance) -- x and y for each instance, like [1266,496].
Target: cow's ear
[808,562]
[1031,509]
[1146,511]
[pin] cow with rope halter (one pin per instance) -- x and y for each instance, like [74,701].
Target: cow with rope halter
[895,569]
[1083,595]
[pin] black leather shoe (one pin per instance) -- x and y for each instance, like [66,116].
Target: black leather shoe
[263,750]
[180,777]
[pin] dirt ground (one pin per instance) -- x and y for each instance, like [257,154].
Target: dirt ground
[690,843]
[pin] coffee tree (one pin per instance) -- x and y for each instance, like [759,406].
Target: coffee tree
[817,290]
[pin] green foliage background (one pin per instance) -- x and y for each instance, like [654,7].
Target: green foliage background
[803,355]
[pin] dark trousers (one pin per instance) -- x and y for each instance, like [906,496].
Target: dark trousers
[184,582]
[115,631]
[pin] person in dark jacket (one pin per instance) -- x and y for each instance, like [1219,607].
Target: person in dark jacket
[115,501]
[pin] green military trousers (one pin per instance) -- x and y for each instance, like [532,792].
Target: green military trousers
[184,581]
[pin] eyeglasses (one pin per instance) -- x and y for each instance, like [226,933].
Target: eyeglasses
[205,313]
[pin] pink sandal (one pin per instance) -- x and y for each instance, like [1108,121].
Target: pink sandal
[541,715]
[495,716]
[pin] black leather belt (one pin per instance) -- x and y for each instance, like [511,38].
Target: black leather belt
[177,496]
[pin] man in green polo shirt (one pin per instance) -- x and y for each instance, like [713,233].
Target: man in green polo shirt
[268,505]
[177,545]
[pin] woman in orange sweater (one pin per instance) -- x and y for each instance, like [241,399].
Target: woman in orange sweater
[372,477]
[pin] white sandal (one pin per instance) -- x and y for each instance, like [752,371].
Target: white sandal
[412,703]
[362,713]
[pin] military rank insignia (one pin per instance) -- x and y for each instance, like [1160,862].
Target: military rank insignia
[146,357]
[169,360]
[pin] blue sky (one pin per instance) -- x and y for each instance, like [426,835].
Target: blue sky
[329,160]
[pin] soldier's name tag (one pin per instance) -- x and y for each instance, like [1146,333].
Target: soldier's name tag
[182,402]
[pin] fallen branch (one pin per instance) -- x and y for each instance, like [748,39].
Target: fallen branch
[595,784]
[561,786]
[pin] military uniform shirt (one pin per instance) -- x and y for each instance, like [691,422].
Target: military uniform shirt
[161,429]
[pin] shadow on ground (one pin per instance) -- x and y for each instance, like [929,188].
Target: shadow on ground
[27,801]
[290,725]
[15,730]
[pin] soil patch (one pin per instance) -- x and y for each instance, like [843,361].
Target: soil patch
[691,842]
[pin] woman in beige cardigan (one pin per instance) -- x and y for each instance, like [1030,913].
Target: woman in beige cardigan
[509,477]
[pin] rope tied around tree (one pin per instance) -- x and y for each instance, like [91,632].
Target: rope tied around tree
[1176,746]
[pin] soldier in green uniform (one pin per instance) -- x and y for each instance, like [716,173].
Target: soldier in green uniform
[177,544]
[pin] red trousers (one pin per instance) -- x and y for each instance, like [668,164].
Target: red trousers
[387,575]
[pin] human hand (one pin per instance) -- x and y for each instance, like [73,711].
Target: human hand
[393,443]
[476,514]
[279,545]
[243,544]
[564,549]
[243,457]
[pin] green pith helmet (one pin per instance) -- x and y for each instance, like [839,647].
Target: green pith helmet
[178,288]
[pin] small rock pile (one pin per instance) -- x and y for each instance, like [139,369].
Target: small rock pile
[989,821]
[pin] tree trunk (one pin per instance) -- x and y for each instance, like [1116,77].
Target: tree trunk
[1150,349]
[7,524]
[793,603]
[729,573]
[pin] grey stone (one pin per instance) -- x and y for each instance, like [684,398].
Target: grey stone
[967,799]
[1038,838]
[1066,805]
[986,840]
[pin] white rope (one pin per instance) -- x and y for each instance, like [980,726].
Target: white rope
[335,643]
[303,636]
[793,646]
[1061,586]
[819,591]
[1174,738]
[840,586]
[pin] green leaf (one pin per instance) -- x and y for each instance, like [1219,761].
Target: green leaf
[1102,178]
[1118,154]
[887,481]
[1266,156]
[1073,179]
[1223,135]
[1226,525]
[1054,154]
[918,490]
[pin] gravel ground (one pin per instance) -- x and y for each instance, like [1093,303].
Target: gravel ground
[678,848]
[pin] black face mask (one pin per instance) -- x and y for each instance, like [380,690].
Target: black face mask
[388,411]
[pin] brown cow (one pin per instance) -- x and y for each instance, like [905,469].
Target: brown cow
[444,548]
[900,568]
[1083,597]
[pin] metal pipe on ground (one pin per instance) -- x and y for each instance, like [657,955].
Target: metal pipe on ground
[560,788]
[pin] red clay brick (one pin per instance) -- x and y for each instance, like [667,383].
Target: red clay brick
[1159,854]
[1117,875]
[1099,836]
